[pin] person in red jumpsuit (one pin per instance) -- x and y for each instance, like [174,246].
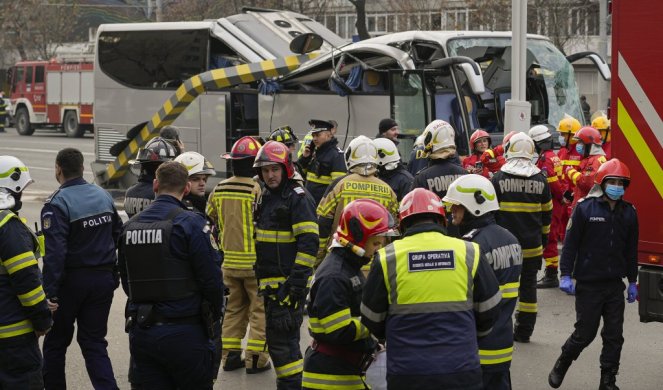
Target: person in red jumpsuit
[589,147]
[480,143]
[567,154]
[551,166]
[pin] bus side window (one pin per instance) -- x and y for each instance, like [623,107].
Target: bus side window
[372,82]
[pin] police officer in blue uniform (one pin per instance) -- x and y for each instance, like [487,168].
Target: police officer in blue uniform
[171,273]
[473,202]
[323,160]
[24,316]
[600,249]
[286,246]
[141,194]
[81,226]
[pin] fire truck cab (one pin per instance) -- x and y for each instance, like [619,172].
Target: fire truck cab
[57,93]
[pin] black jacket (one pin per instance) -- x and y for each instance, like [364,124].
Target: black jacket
[399,179]
[438,176]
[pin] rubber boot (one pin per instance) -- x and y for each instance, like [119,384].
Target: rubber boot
[550,279]
[558,372]
[608,379]
[233,361]
[254,369]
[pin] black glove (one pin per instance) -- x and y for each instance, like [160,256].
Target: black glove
[568,195]
[279,317]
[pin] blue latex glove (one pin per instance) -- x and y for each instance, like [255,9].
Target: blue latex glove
[632,292]
[566,285]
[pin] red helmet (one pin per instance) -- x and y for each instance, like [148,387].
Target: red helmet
[588,135]
[420,201]
[507,137]
[362,219]
[244,147]
[479,133]
[613,169]
[274,152]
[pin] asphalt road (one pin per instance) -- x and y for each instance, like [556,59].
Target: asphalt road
[641,356]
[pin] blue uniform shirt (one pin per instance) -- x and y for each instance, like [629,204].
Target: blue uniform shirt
[81,227]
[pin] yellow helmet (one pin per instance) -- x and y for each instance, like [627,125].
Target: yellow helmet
[568,125]
[602,124]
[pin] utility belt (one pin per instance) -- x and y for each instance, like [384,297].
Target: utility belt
[361,360]
[146,317]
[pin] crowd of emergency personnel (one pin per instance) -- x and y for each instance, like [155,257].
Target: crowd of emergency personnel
[429,257]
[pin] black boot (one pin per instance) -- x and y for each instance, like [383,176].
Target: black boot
[558,372]
[550,279]
[233,361]
[608,379]
[254,369]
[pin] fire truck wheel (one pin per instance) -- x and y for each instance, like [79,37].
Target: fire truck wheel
[23,125]
[71,126]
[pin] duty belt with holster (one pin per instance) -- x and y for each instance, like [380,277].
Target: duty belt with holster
[146,316]
[361,360]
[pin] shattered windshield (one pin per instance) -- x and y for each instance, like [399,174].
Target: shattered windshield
[544,61]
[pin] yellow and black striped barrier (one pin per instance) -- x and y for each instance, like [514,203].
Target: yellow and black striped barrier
[189,90]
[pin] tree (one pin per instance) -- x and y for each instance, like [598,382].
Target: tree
[37,28]
[214,9]
[360,6]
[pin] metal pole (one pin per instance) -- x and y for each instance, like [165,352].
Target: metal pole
[602,90]
[518,111]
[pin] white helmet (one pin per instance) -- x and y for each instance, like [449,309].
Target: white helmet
[520,145]
[195,163]
[14,178]
[539,133]
[388,155]
[474,192]
[361,150]
[440,135]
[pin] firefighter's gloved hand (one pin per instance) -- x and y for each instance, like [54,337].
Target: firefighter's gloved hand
[568,195]
[632,292]
[279,318]
[566,285]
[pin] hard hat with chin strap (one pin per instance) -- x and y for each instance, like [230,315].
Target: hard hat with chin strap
[361,151]
[439,135]
[387,151]
[520,145]
[475,193]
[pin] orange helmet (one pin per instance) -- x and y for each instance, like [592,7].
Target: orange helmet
[569,124]
[613,169]
[274,152]
[588,135]
[362,219]
[478,134]
[244,147]
[421,201]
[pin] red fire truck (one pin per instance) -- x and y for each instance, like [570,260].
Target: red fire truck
[57,93]
[637,127]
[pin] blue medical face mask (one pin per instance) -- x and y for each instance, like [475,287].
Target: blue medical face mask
[580,148]
[562,140]
[614,192]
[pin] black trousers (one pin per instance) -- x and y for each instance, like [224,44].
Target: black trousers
[527,302]
[283,347]
[593,302]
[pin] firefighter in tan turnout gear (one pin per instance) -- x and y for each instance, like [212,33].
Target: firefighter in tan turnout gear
[231,207]
[361,158]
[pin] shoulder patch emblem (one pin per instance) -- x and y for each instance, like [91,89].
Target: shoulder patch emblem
[46,223]
[299,190]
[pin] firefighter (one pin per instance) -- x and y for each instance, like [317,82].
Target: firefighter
[474,202]
[431,318]
[600,249]
[172,135]
[443,167]
[493,159]
[25,316]
[141,194]
[323,160]
[419,156]
[199,172]
[551,166]
[286,245]
[525,210]
[602,124]
[81,227]
[341,344]
[231,208]
[391,169]
[588,146]
[286,135]
[570,158]
[359,183]
[480,143]
[3,112]
[170,272]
